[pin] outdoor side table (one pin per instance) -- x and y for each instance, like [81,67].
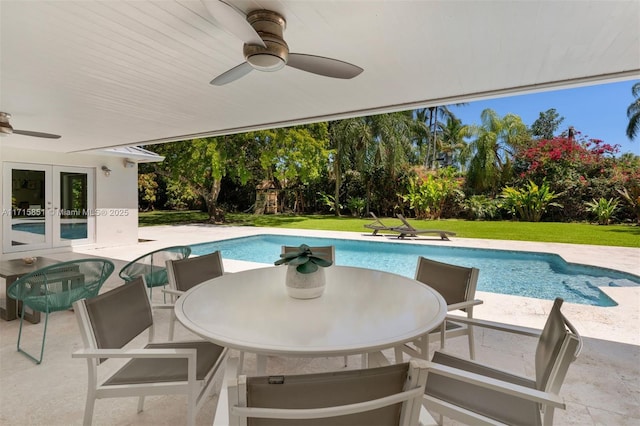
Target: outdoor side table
[11,270]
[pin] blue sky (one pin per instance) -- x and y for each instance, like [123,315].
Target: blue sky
[599,112]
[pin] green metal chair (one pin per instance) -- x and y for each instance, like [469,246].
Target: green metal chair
[152,266]
[55,288]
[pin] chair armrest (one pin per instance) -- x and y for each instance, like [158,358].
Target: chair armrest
[135,353]
[509,328]
[163,306]
[497,385]
[174,292]
[465,304]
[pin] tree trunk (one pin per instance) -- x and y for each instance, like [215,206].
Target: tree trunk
[337,167]
[216,214]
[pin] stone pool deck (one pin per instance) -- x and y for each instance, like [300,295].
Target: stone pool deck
[602,386]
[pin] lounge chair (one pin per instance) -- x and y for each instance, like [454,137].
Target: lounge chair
[376,225]
[406,230]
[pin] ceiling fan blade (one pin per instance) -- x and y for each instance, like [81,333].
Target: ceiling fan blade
[232,75]
[36,134]
[234,21]
[323,66]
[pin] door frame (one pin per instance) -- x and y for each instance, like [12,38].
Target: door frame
[52,204]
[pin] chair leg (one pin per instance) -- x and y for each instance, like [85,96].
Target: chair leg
[172,325]
[191,409]
[44,335]
[346,361]
[141,404]
[472,343]
[88,409]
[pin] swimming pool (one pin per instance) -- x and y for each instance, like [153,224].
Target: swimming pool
[529,274]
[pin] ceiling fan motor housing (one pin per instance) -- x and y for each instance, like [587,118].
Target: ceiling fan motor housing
[269,26]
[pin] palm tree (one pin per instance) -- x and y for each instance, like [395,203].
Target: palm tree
[430,116]
[497,139]
[633,113]
[364,143]
[453,133]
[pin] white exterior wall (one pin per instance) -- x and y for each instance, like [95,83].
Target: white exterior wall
[116,193]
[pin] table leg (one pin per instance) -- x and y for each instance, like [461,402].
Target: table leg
[9,311]
[376,359]
[261,365]
[13,308]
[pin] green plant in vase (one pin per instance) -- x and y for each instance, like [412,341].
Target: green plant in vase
[305,274]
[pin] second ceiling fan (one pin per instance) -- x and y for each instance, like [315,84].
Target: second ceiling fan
[264,46]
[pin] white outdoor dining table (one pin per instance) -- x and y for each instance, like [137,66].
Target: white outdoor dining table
[361,311]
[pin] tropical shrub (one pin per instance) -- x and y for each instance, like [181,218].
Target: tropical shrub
[330,201]
[627,184]
[356,205]
[529,203]
[481,207]
[427,196]
[603,209]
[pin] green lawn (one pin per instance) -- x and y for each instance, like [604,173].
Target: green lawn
[574,233]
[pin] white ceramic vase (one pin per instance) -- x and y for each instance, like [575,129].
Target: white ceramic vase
[305,286]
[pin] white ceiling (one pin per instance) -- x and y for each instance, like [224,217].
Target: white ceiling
[118,73]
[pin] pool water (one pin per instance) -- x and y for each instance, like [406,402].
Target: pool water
[529,274]
[68,231]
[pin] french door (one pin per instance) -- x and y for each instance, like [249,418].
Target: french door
[47,206]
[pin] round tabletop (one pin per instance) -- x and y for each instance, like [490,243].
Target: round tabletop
[361,310]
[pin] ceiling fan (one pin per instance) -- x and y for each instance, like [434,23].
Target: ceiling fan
[6,129]
[264,46]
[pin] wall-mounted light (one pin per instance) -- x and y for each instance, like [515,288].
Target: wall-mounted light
[129,164]
[106,170]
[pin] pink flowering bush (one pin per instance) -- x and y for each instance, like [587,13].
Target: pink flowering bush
[579,170]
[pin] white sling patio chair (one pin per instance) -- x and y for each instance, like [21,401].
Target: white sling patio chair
[457,285]
[112,320]
[477,394]
[390,395]
[184,274]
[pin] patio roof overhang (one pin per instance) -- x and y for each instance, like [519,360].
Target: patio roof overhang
[125,73]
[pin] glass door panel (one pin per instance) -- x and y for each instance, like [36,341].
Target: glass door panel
[73,200]
[26,224]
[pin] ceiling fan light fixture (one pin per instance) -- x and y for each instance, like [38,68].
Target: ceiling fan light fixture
[270,58]
[266,62]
